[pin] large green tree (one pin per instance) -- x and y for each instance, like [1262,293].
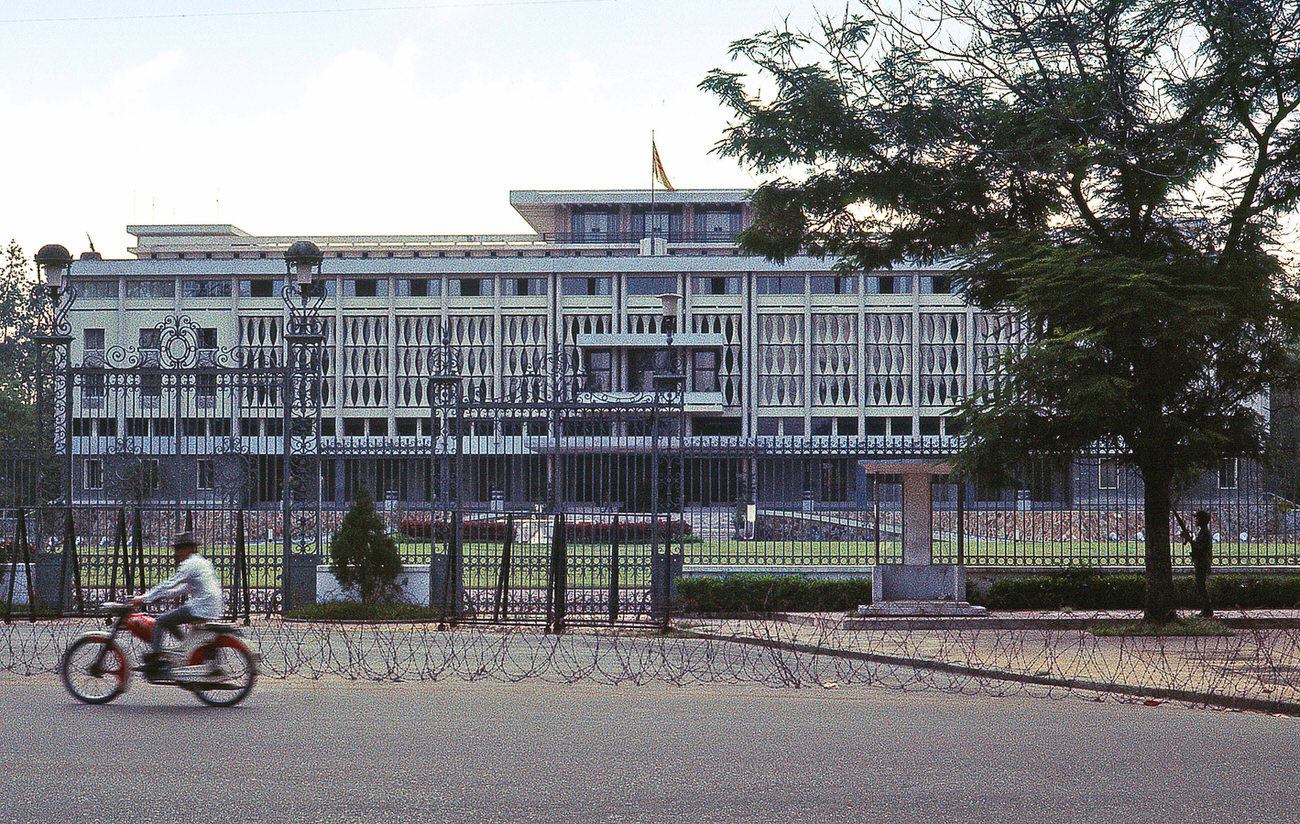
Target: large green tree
[20,308]
[1114,175]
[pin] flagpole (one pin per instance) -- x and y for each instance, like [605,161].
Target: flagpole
[650,228]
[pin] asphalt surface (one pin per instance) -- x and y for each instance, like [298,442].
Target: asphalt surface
[343,751]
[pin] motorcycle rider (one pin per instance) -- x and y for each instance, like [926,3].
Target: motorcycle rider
[194,577]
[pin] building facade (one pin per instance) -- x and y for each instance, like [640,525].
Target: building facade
[792,371]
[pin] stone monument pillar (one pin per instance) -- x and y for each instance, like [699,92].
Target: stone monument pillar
[918,586]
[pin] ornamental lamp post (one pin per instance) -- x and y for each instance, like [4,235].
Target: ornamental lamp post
[53,264]
[303,294]
[54,408]
[671,385]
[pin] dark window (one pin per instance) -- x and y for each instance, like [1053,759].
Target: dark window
[407,427]
[206,387]
[193,427]
[472,287]
[259,288]
[379,426]
[108,427]
[704,370]
[939,284]
[164,427]
[792,426]
[82,427]
[929,425]
[248,427]
[137,427]
[599,370]
[366,288]
[150,338]
[642,366]
[417,287]
[822,426]
[900,426]
[890,285]
[585,286]
[525,286]
[769,426]
[1107,475]
[781,285]
[1228,474]
[327,427]
[150,288]
[100,289]
[206,474]
[207,338]
[717,426]
[274,427]
[219,427]
[205,288]
[354,426]
[833,285]
[93,338]
[94,474]
[846,426]
[651,285]
[877,426]
[712,285]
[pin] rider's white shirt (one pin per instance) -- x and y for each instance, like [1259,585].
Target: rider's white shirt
[196,577]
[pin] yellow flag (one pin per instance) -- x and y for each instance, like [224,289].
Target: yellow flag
[657,167]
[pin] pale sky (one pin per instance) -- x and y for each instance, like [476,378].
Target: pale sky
[350,116]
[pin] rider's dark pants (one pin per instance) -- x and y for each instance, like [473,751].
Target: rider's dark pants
[169,621]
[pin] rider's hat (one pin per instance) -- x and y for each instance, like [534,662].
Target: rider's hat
[185,539]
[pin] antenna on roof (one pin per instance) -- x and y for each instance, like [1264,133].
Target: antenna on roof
[91,242]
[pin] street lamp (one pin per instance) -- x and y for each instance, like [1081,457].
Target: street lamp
[54,401]
[53,264]
[671,385]
[303,295]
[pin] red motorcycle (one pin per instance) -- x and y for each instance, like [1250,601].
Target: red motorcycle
[214,663]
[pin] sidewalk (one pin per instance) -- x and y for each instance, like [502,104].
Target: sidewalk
[1257,668]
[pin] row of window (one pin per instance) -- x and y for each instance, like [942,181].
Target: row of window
[528,286]
[1108,475]
[849,425]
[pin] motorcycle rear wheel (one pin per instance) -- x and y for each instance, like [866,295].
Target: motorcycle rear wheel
[237,669]
[88,682]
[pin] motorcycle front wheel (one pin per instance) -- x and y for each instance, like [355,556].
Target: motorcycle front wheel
[232,672]
[94,670]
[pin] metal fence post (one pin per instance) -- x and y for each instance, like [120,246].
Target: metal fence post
[613,570]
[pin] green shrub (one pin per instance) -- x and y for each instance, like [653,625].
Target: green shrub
[771,593]
[363,556]
[1084,588]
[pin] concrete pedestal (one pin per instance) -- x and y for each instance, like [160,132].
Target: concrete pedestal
[914,586]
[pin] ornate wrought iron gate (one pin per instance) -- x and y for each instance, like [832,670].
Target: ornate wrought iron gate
[552,502]
[169,435]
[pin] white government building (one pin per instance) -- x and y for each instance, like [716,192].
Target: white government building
[793,370]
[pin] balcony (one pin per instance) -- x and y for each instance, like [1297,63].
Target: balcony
[728,238]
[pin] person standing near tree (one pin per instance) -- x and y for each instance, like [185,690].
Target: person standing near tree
[1202,549]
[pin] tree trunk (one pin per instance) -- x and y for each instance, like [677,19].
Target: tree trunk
[1159,606]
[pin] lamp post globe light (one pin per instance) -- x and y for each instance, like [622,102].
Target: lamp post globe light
[53,265]
[303,293]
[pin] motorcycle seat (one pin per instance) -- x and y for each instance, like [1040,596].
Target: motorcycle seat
[218,626]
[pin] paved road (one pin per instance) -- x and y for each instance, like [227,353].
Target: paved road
[341,751]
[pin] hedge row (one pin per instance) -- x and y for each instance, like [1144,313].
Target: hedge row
[1074,588]
[771,593]
[577,532]
[1088,589]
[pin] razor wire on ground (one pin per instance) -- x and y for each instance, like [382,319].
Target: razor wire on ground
[1254,668]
